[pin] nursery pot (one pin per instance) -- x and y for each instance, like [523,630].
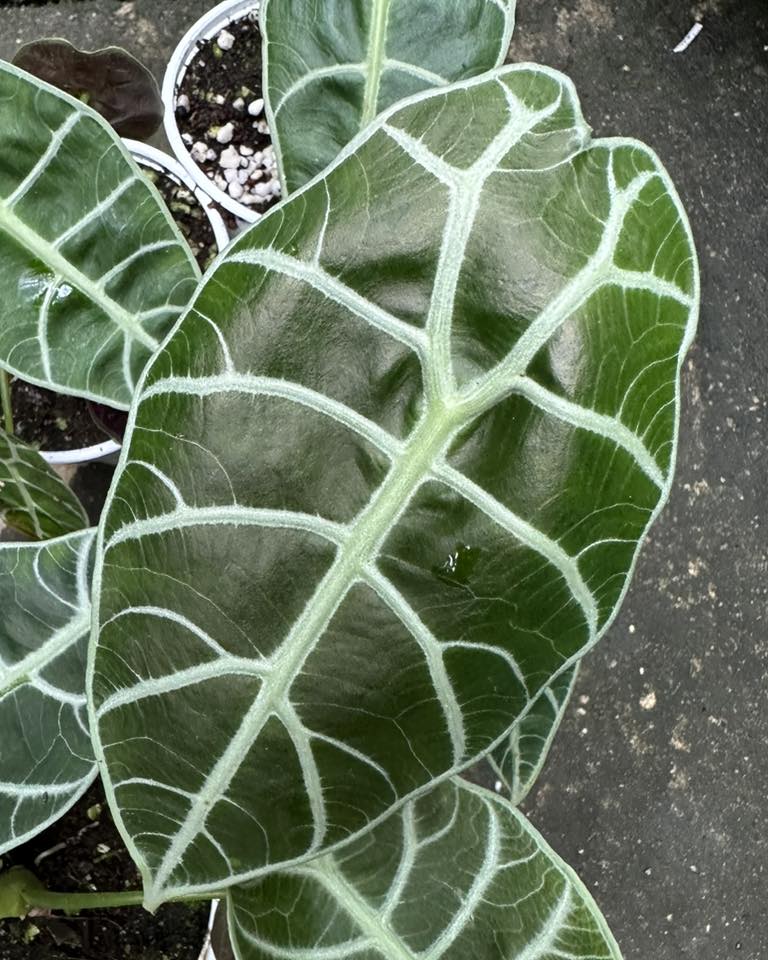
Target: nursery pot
[146,156]
[207,27]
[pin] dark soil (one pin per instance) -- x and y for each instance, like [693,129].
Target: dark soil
[81,853]
[219,87]
[51,421]
[188,214]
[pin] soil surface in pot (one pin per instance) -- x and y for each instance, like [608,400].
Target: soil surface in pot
[80,853]
[51,421]
[188,214]
[220,113]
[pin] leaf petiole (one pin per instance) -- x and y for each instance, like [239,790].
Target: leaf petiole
[5,401]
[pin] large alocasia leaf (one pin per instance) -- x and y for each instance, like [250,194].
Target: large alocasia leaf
[33,497]
[332,67]
[457,874]
[388,478]
[518,760]
[94,271]
[46,761]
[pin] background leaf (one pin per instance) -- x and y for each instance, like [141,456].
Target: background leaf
[329,73]
[414,428]
[33,497]
[111,81]
[457,874]
[518,760]
[95,272]
[46,761]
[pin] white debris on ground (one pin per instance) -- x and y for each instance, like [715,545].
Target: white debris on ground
[689,38]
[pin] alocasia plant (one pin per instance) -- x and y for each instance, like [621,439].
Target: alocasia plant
[382,487]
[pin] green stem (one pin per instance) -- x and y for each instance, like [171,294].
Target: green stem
[5,401]
[75,902]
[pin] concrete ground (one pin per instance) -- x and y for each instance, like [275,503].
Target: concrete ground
[657,786]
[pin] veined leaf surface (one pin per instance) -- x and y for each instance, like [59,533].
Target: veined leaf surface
[33,497]
[519,758]
[46,760]
[332,68]
[388,478]
[457,874]
[95,272]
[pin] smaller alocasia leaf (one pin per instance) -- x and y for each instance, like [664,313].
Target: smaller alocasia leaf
[46,761]
[457,874]
[328,75]
[118,86]
[94,270]
[518,760]
[33,498]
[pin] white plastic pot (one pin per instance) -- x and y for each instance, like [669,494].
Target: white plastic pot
[208,26]
[146,156]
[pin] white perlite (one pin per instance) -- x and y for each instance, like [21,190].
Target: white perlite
[225,133]
[230,159]
[256,106]
[225,40]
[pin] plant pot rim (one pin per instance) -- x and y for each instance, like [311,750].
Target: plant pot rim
[208,26]
[207,952]
[152,157]
[96,452]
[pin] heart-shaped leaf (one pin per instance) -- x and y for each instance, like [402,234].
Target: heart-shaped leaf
[457,874]
[95,272]
[518,760]
[111,81]
[328,77]
[46,761]
[33,498]
[388,478]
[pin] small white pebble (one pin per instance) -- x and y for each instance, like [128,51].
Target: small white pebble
[182,102]
[211,154]
[229,159]
[225,133]
[255,107]
[236,190]
[199,151]
[246,151]
[262,190]
[220,99]
[242,176]
[220,182]
[256,174]
[230,175]
[275,188]
[187,138]
[238,104]
[262,127]
[225,40]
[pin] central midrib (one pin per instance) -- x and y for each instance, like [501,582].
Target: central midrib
[377,44]
[51,257]
[427,443]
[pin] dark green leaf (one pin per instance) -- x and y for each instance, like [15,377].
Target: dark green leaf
[33,497]
[389,477]
[329,76]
